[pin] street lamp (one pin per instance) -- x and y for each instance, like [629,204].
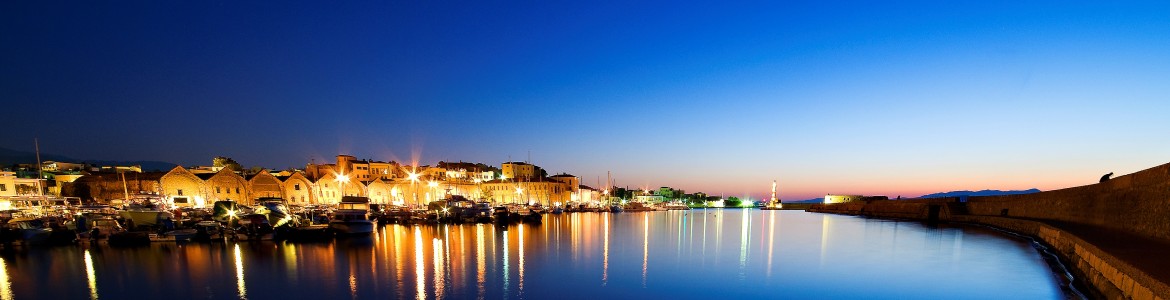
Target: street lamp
[342,179]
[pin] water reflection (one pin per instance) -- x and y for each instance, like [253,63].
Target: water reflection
[779,254]
[480,262]
[645,247]
[520,251]
[771,239]
[419,271]
[505,259]
[5,284]
[605,253]
[90,277]
[240,288]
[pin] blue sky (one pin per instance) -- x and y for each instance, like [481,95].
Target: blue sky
[826,97]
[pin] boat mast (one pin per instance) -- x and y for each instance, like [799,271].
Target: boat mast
[40,171]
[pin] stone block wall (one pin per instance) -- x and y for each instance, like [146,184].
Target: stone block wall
[1138,202]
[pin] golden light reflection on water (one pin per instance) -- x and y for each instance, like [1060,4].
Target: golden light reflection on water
[419,270]
[825,225]
[437,245]
[90,276]
[240,288]
[480,262]
[398,261]
[5,284]
[506,262]
[520,247]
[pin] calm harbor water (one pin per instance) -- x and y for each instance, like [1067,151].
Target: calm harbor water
[676,254]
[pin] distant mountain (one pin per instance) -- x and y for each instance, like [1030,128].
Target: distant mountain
[964,194]
[814,200]
[12,157]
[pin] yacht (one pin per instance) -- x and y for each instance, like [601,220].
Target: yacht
[352,217]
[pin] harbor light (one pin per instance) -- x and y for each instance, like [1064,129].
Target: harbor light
[432,184]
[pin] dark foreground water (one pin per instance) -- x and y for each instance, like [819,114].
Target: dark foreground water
[715,254]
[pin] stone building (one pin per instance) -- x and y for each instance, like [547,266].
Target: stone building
[227,185]
[519,171]
[380,191]
[264,185]
[183,188]
[326,188]
[105,187]
[298,189]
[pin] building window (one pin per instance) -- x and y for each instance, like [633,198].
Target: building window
[297,187]
[180,192]
[237,190]
[3,188]
[217,191]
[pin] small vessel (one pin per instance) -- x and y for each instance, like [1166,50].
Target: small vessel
[557,210]
[352,217]
[145,210]
[676,206]
[638,206]
[479,212]
[208,231]
[29,231]
[615,208]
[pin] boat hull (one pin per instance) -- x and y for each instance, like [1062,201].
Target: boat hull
[352,227]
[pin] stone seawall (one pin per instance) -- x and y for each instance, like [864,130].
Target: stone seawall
[1112,278]
[1138,203]
[1128,218]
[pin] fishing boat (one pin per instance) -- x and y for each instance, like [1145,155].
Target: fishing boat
[352,217]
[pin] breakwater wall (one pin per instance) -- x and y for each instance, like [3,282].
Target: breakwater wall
[1137,203]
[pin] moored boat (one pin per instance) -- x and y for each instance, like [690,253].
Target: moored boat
[352,217]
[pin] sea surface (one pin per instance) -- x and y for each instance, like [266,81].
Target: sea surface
[697,254]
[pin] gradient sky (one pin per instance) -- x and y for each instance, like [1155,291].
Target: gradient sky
[882,98]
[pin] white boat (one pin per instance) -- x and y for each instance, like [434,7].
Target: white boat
[352,217]
[676,206]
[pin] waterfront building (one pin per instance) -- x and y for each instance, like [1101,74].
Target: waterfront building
[830,198]
[520,171]
[327,188]
[183,188]
[379,191]
[298,189]
[264,185]
[227,185]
